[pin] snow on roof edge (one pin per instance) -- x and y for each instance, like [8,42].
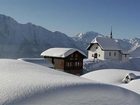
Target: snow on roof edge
[60,52]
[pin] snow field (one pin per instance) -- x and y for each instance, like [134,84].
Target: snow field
[115,77]
[25,83]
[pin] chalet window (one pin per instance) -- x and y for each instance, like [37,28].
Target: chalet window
[71,57]
[76,56]
[99,55]
[97,47]
[109,53]
[77,64]
[114,53]
[69,64]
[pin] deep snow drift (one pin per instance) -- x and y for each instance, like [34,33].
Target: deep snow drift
[25,83]
[115,77]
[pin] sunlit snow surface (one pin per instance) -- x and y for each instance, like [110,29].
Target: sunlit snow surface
[115,77]
[23,83]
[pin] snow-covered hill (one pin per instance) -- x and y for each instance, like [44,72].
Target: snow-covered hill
[28,40]
[116,77]
[23,83]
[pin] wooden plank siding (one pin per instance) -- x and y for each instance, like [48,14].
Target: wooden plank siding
[71,64]
[74,63]
[59,64]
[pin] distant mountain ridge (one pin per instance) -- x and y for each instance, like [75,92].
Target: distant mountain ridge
[29,40]
[130,45]
[83,39]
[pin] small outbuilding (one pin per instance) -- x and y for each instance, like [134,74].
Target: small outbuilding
[69,60]
[129,77]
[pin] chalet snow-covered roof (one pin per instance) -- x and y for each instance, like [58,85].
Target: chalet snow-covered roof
[105,43]
[60,52]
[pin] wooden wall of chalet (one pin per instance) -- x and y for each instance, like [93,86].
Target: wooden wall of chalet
[59,64]
[74,63]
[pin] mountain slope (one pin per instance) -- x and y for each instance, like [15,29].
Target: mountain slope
[28,40]
[135,52]
[130,45]
[84,39]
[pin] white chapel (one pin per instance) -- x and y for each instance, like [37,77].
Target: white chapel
[104,48]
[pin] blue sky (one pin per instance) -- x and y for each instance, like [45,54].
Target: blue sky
[74,16]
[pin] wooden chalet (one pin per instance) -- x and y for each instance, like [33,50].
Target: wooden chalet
[69,60]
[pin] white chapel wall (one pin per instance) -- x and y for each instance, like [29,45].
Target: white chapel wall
[114,55]
[96,49]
